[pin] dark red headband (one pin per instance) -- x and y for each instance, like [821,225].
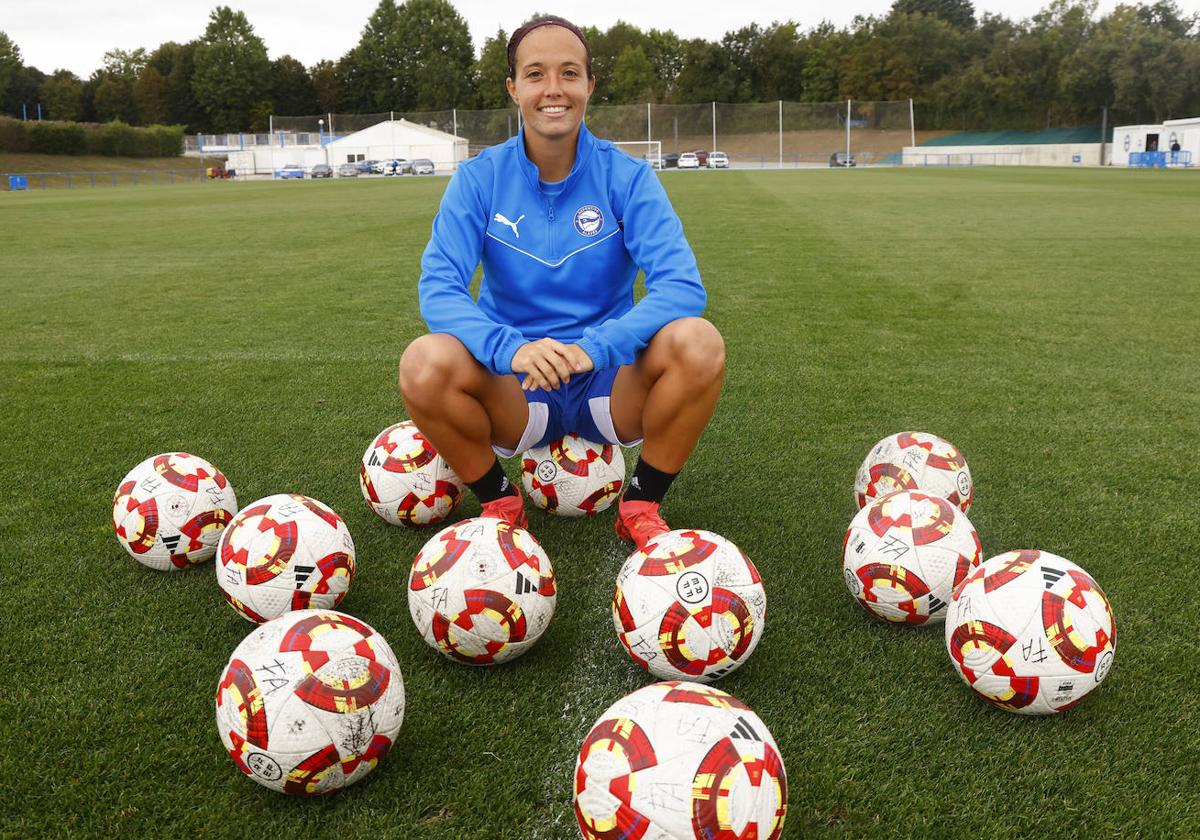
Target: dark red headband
[538,23]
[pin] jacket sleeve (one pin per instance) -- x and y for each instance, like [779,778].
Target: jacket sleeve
[654,238]
[447,267]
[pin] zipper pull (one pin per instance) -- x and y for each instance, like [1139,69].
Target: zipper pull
[550,205]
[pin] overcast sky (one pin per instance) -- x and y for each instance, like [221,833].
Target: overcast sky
[75,34]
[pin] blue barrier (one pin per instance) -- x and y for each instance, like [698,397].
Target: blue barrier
[1160,160]
[17,182]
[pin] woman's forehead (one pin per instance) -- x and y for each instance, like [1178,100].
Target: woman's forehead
[551,45]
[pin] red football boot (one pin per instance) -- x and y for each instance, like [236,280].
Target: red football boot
[510,509]
[639,522]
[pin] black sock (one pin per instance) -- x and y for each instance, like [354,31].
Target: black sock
[648,484]
[494,485]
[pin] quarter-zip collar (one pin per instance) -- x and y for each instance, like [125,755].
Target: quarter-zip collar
[583,150]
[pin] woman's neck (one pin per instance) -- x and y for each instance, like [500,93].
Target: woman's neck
[553,158]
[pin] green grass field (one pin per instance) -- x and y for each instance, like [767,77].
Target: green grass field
[1046,321]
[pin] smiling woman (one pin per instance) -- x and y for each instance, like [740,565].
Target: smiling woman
[555,345]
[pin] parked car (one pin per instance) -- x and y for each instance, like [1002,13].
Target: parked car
[365,167]
[291,170]
[670,160]
[701,156]
[377,166]
[347,170]
[718,160]
[688,160]
[396,166]
[322,170]
[841,159]
[422,166]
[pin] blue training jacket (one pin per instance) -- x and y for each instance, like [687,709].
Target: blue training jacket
[559,260]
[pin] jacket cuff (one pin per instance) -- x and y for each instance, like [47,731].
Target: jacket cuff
[595,353]
[502,361]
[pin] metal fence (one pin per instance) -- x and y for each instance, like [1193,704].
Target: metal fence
[762,133]
[17,181]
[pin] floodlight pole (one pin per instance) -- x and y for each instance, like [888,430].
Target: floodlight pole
[649,134]
[848,101]
[912,123]
[714,118]
[781,134]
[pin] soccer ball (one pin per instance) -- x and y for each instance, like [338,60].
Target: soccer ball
[405,481]
[284,552]
[170,510]
[905,552]
[481,591]
[690,605]
[310,702]
[572,476]
[1031,632]
[915,461]
[678,760]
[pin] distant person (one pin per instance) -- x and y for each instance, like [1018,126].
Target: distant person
[1174,145]
[555,344]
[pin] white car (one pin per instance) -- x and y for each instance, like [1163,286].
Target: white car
[718,160]
[688,160]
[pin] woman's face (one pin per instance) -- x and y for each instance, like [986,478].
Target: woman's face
[551,87]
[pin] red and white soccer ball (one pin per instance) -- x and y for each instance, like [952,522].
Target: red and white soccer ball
[690,606]
[1031,632]
[677,760]
[482,591]
[170,510]
[572,476]
[915,461]
[905,552]
[310,702]
[405,481]
[284,552]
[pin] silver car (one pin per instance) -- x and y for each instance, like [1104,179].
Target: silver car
[422,166]
[347,170]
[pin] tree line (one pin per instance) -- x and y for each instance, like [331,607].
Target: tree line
[963,71]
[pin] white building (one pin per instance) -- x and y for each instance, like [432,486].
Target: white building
[382,141]
[1130,139]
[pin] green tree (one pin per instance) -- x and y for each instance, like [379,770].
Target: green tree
[633,77]
[61,95]
[292,91]
[152,97]
[232,71]
[490,71]
[371,73]
[436,56]
[708,74]
[185,108]
[112,97]
[958,13]
[10,64]
[327,86]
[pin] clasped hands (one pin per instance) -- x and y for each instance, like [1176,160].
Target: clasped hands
[548,364]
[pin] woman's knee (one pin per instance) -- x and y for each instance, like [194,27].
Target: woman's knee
[697,348]
[430,365]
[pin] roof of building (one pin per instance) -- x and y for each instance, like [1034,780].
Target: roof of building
[433,133]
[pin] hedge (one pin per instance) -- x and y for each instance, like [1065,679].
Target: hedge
[69,138]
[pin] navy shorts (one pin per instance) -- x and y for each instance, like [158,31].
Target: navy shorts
[581,407]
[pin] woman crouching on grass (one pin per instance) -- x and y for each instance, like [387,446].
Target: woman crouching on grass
[562,222]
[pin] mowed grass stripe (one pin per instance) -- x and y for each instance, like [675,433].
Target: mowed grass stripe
[1042,319]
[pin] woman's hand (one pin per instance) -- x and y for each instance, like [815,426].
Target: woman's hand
[547,363]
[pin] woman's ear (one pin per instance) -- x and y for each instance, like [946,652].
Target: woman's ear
[511,87]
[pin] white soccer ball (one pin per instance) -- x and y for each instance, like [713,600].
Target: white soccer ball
[405,481]
[284,552]
[1031,632]
[915,461]
[310,702]
[572,476]
[170,510]
[482,591]
[680,761]
[690,605]
[905,552]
